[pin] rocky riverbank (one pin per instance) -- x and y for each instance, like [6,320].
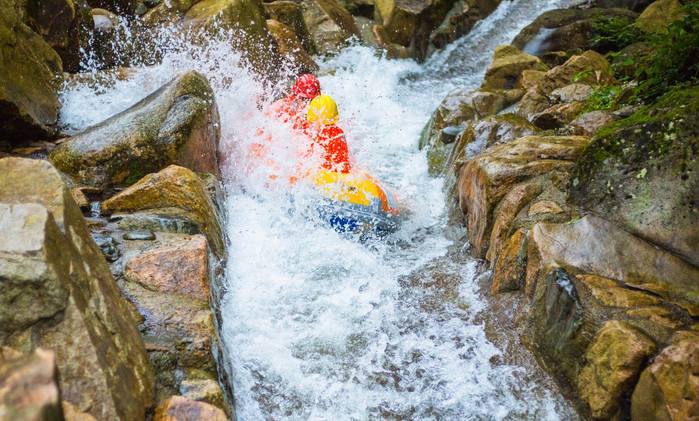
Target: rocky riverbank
[574,169]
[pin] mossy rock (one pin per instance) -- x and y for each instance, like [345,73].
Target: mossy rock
[643,173]
[656,18]
[177,124]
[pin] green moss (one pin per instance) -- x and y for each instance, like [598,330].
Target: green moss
[613,33]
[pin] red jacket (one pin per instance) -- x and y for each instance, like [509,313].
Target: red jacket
[335,152]
[291,108]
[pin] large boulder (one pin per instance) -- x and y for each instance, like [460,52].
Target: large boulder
[613,362]
[661,13]
[29,70]
[65,25]
[605,250]
[290,14]
[46,251]
[177,124]
[461,18]
[487,178]
[173,187]
[669,388]
[291,48]
[329,24]
[245,19]
[29,386]
[178,408]
[643,173]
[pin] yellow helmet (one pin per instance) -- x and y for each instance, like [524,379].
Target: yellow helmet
[322,109]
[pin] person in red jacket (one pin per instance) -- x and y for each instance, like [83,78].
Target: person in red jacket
[293,106]
[322,117]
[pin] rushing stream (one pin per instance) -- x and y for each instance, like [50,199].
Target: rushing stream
[320,326]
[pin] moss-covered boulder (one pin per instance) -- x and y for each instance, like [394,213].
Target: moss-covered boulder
[177,124]
[29,71]
[613,362]
[173,187]
[661,13]
[505,71]
[669,388]
[45,243]
[488,177]
[643,173]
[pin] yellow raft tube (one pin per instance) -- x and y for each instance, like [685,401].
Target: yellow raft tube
[356,203]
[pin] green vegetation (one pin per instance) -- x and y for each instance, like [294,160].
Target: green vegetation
[613,33]
[604,98]
[675,60]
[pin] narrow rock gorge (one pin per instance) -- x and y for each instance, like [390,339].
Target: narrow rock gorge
[163,255]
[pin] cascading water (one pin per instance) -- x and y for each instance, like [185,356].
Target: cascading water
[320,326]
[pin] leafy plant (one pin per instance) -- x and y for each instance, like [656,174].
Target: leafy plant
[675,61]
[613,33]
[604,98]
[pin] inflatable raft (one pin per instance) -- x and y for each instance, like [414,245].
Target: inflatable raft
[356,203]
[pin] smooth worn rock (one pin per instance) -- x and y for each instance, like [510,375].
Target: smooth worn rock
[669,388]
[99,352]
[575,92]
[202,387]
[656,17]
[173,187]
[290,14]
[329,24]
[291,48]
[613,362]
[510,266]
[29,386]
[158,220]
[544,206]
[244,21]
[141,235]
[178,408]
[610,293]
[485,179]
[106,243]
[178,123]
[587,124]
[509,62]
[557,115]
[461,18]
[28,104]
[642,172]
[183,269]
[605,250]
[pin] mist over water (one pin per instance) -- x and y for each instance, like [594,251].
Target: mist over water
[320,326]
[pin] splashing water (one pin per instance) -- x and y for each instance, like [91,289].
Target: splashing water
[320,326]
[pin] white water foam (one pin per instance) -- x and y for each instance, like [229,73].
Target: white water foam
[319,326]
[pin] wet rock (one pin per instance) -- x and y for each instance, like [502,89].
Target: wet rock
[104,20]
[178,408]
[505,71]
[106,243]
[159,220]
[290,14]
[28,104]
[607,251]
[99,352]
[609,293]
[642,172]
[656,17]
[613,362]
[141,235]
[459,21]
[178,123]
[65,25]
[246,19]
[71,413]
[80,198]
[291,48]
[511,264]
[575,92]
[173,187]
[557,116]
[485,179]
[329,24]
[669,388]
[587,124]
[457,108]
[200,386]
[565,29]
[181,269]
[29,386]
[544,206]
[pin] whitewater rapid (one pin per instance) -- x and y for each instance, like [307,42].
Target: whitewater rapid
[318,326]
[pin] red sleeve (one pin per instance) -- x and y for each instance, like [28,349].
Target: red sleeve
[337,150]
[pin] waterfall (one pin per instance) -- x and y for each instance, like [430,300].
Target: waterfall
[320,326]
